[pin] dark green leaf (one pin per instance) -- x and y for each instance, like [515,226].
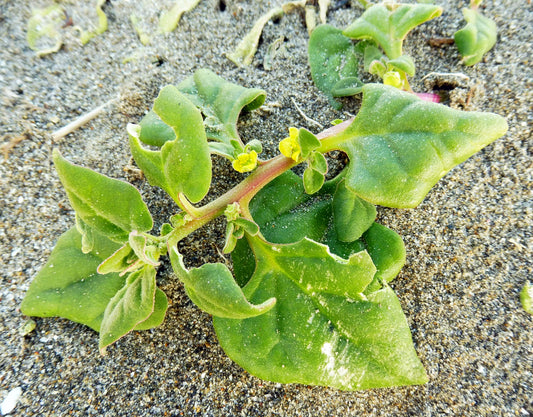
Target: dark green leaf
[130,306]
[476,38]
[221,102]
[399,145]
[332,57]
[352,215]
[212,288]
[322,331]
[388,26]
[68,285]
[113,208]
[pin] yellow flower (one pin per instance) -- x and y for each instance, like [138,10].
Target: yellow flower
[245,162]
[290,147]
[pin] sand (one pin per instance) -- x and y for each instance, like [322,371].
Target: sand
[469,244]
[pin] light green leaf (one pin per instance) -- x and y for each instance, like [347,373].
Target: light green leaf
[403,63]
[348,86]
[388,26]
[158,315]
[212,288]
[526,297]
[313,180]
[130,306]
[399,145]
[476,38]
[43,34]
[154,131]
[221,102]
[113,208]
[169,20]
[183,165]
[307,141]
[332,58]
[245,50]
[68,285]
[118,261]
[318,162]
[352,215]
[323,330]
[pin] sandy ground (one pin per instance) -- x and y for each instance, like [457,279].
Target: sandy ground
[468,244]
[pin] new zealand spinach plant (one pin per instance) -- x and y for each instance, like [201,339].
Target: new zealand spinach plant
[310,301]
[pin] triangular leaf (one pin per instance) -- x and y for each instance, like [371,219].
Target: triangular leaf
[212,288]
[399,145]
[323,331]
[332,57]
[111,207]
[221,102]
[131,305]
[68,285]
[388,26]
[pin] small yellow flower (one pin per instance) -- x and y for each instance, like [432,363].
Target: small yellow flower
[245,162]
[290,147]
[393,79]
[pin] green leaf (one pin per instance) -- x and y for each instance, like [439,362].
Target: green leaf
[182,165]
[388,26]
[154,131]
[113,208]
[399,145]
[158,315]
[169,20]
[403,63]
[476,38]
[526,297]
[68,285]
[221,102]
[323,330]
[387,250]
[130,306]
[313,180]
[212,288]
[352,215]
[349,86]
[285,214]
[332,58]
[318,162]
[307,141]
